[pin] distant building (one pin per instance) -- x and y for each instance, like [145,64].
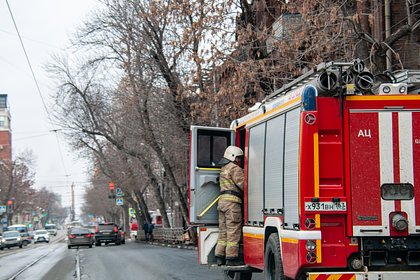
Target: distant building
[5,130]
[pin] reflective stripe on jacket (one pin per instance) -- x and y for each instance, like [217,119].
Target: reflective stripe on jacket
[231,179]
[231,197]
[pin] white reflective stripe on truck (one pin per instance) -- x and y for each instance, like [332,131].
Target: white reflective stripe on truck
[388,275]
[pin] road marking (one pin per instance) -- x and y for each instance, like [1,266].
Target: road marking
[77,264]
[28,266]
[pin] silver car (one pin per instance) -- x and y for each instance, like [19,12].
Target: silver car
[11,239]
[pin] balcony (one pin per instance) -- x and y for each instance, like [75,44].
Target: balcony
[282,29]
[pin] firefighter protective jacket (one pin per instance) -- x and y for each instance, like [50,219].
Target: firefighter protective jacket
[231,182]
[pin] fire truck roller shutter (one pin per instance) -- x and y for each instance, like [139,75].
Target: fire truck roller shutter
[256,173]
[274,154]
[291,169]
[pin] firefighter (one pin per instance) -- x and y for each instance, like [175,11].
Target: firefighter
[230,208]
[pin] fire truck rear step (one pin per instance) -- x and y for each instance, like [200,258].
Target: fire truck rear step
[236,268]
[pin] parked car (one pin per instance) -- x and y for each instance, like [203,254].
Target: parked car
[52,229]
[79,236]
[11,239]
[108,233]
[41,235]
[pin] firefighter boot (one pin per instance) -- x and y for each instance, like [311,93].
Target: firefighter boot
[220,261]
[234,262]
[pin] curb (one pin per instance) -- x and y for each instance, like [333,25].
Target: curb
[177,246]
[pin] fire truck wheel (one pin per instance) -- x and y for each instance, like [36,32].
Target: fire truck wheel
[273,265]
[236,275]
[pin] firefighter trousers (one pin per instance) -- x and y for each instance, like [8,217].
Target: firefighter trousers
[230,225]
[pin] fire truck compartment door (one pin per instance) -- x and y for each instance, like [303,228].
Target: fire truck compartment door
[383,156]
[208,145]
[207,239]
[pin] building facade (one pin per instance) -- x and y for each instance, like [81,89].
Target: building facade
[5,130]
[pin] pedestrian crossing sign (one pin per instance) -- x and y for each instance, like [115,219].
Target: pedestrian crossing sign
[119,201]
[119,192]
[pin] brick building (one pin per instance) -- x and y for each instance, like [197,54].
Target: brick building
[5,130]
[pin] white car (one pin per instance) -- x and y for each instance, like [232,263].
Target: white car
[52,229]
[41,235]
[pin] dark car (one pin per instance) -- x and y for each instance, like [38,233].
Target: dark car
[108,233]
[11,239]
[78,236]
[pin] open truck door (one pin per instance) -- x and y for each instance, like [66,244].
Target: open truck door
[207,147]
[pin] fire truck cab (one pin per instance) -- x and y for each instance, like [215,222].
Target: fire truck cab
[332,178]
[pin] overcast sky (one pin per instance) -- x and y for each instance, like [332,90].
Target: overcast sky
[45,27]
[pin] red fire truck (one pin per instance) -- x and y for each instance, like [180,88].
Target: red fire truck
[332,178]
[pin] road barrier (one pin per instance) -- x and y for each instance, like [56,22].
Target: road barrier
[168,235]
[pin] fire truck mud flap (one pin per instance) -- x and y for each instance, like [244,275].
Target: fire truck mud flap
[383,275]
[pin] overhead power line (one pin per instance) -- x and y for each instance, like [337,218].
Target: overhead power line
[37,85]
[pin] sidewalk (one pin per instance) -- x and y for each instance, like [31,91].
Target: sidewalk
[164,244]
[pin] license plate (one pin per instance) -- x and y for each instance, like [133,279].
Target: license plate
[79,237]
[325,206]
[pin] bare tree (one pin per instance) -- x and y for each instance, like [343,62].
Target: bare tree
[143,40]
[16,184]
[152,68]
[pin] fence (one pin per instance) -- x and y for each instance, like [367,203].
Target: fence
[168,235]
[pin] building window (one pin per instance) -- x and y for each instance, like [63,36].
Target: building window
[2,121]
[283,28]
[3,101]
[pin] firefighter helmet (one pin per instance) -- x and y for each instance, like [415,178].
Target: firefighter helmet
[232,152]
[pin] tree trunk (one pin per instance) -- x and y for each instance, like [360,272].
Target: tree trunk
[161,205]
[363,27]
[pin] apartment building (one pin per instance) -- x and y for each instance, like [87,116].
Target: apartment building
[5,130]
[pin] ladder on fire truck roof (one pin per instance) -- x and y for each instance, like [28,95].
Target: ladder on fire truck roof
[311,75]
[345,73]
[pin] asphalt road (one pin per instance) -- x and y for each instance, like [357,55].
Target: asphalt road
[130,261]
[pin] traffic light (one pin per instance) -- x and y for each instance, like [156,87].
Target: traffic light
[9,206]
[111,192]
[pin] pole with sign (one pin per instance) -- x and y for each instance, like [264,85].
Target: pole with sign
[119,192]
[119,201]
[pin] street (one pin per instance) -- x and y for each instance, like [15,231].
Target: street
[130,261]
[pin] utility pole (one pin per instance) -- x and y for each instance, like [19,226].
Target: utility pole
[72,211]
